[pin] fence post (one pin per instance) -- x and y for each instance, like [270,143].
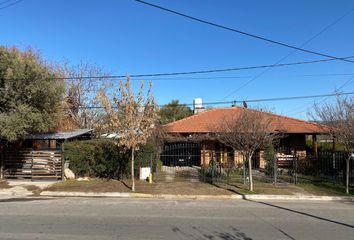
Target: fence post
[32,165]
[228,171]
[296,163]
[62,162]
[334,172]
[2,163]
[244,170]
[212,172]
[203,165]
[275,169]
[150,162]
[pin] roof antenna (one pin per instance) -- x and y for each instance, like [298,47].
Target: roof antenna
[244,104]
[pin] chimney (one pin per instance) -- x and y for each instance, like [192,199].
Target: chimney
[245,104]
[198,105]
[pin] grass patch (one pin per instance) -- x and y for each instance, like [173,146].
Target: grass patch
[324,188]
[93,185]
[34,189]
[181,188]
[319,186]
[306,185]
[222,187]
[259,187]
[175,187]
[4,185]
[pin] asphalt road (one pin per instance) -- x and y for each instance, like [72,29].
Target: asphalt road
[102,218]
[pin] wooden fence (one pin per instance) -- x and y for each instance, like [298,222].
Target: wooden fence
[33,165]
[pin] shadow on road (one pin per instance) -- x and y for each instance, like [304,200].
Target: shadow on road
[303,213]
[198,233]
[25,199]
[228,189]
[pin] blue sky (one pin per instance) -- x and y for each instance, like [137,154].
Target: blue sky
[125,37]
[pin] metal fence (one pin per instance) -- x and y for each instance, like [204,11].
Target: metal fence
[331,166]
[286,168]
[183,161]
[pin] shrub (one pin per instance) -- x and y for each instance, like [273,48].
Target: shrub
[145,154]
[101,158]
[269,158]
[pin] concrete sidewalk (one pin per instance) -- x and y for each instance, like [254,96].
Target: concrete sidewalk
[220,197]
[22,188]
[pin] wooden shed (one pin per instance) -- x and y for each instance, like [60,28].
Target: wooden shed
[38,156]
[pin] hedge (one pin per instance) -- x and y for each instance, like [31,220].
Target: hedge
[103,158]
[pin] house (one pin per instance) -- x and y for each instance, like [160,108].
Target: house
[201,152]
[38,156]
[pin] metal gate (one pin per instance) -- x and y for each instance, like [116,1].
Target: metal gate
[180,162]
[181,154]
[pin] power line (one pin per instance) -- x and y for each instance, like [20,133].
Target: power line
[1,3]
[229,78]
[247,76]
[310,107]
[324,75]
[241,32]
[11,4]
[291,53]
[221,70]
[191,72]
[250,101]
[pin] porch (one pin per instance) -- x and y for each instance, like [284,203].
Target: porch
[208,152]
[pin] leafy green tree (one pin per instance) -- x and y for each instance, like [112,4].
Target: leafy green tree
[30,94]
[174,111]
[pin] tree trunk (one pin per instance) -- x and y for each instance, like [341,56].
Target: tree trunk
[250,172]
[347,174]
[2,148]
[2,164]
[132,171]
[244,170]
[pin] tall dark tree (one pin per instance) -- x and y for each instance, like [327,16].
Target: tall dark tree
[30,94]
[174,111]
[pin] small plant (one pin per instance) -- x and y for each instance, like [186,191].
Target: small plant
[269,158]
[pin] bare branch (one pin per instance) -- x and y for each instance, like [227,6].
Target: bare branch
[247,132]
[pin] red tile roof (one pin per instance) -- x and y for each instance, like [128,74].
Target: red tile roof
[203,122]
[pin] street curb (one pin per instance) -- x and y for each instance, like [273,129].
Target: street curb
[204,197]
[297,197]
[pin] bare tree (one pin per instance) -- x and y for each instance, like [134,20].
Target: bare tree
[247,132]
[339,117]
[81,89]
[131,116]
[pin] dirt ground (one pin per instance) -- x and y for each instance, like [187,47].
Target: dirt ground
[187,188]
[4,184]
[262,188]
[181,188]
